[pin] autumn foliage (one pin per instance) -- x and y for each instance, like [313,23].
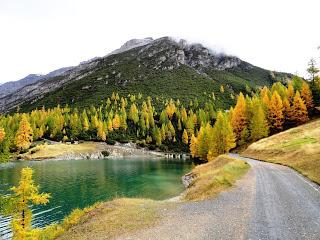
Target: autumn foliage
[166,124]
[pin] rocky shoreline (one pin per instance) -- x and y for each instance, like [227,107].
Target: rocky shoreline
[97,150]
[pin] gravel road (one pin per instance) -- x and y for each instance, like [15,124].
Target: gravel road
[270,202]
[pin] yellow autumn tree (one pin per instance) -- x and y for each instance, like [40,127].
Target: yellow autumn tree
[185,138]
[306,95]
[101,134]
[300,113]
[276,116]
[24,134]
[2,134]
[222,137]
[170,109]
[134,113]
[258,125]
[194,146]
[25,194]
[85,121]
[116,122]
[239,116]
[290,92]
[287,109]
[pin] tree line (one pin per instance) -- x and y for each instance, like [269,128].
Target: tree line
[268,111]
[202,128]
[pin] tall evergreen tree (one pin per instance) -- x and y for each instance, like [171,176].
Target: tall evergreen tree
[18,206]
[222,137]
[185,138]
[24,134]
[239,117]
[300,113]
[2,134]
[258,125]
[306,95]
[276,116]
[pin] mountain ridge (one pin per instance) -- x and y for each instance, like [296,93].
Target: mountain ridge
[142,64]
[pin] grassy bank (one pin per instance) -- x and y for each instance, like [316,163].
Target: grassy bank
[122,216]
[215,176]
[298,148]
[46,151]
[106,220]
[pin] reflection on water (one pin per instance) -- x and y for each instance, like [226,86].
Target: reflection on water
[79,183]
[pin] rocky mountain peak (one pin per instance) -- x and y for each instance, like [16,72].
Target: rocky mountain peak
[168,53]
[133,43]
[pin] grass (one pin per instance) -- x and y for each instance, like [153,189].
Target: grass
[115,218]
[298,148]
[55,150]
[292,144]
[105,220]
[214,177]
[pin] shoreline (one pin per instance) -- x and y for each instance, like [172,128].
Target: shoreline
[92,150]
[144,210]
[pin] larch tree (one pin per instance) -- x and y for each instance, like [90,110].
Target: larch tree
[300,112]
[258,125]
[170,109]
[184,115]
[306,95]
[239,117]
[25,193]
[101,134]
[287,109]
[157,136]
[109,125]
[2,134]
[75,125]
[134,113]
[290,92]
[185,137]
[222,138]
[276,116]
[85,121]
[204,141]
[24,134]
[116,123]
[194,146]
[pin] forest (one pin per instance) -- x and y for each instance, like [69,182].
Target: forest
[199,127]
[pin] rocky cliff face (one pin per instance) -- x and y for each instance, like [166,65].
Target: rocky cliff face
[166,53]
[137,60]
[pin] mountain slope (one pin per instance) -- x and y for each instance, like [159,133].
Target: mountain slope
[11,87]
[299,148]
[160,68]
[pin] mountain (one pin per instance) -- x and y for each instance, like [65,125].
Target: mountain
[11,87]
[162,68]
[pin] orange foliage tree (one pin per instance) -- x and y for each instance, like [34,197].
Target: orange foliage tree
[275,112]
[239,116]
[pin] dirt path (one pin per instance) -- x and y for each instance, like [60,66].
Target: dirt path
[270,202]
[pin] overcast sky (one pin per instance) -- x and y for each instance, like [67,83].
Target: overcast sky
[37,36]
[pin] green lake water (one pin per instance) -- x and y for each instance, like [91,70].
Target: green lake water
[80,183]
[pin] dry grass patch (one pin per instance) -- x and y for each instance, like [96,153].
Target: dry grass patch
[215,176]
[298,148]
[105,220]
[55,150]
[115,218]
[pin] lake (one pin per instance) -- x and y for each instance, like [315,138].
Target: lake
[80,183]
